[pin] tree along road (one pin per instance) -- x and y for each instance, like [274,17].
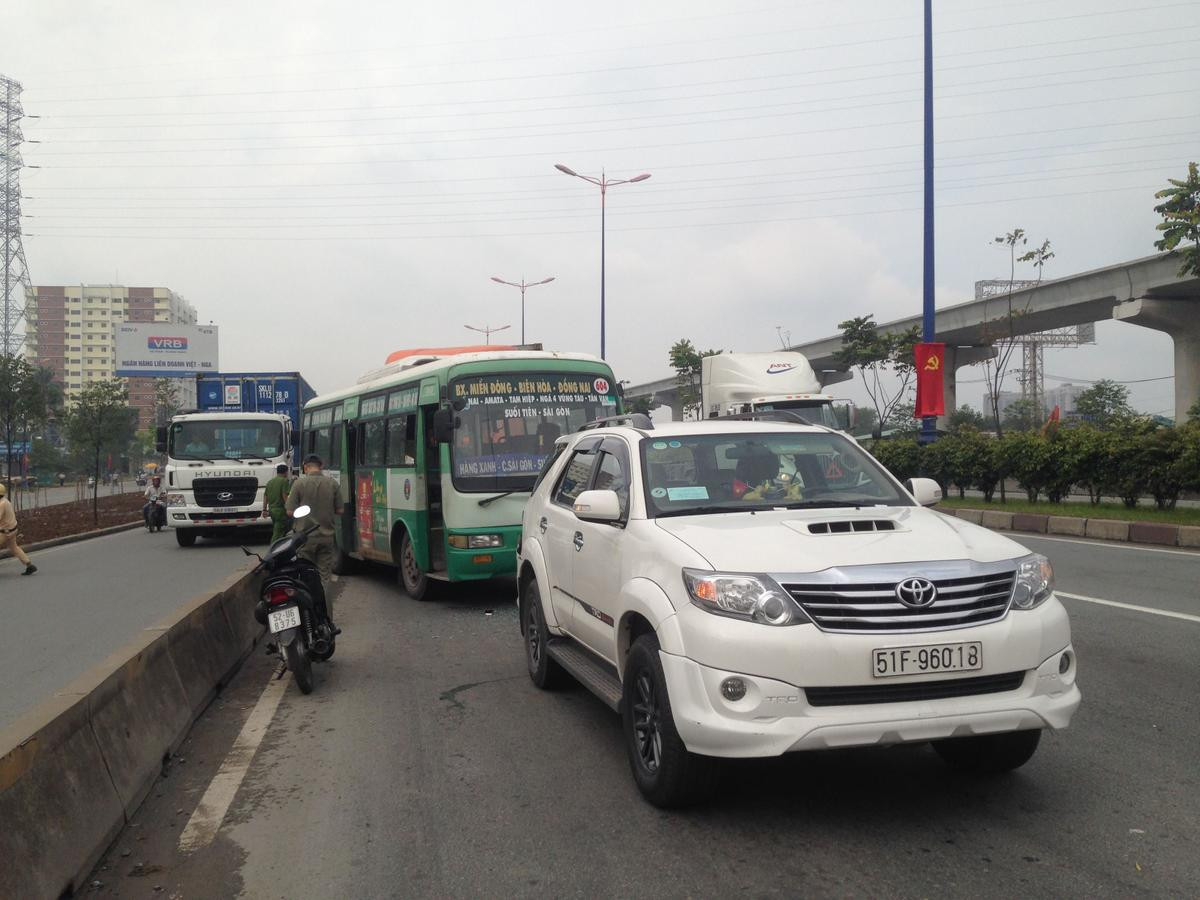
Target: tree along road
[89,599]
[426,764]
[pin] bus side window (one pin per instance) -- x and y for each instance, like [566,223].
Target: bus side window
[373,444]
[399,450]
[361,444]
[335,448]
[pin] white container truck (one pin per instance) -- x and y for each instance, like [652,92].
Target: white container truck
[733,383]
[217,467]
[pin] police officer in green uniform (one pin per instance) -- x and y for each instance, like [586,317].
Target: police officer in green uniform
[320,494]
[274,502]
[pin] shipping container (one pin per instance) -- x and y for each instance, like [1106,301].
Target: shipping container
[278,392]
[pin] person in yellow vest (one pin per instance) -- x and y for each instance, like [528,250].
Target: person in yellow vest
[8,532]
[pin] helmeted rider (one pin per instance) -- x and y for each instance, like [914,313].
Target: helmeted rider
[154,492]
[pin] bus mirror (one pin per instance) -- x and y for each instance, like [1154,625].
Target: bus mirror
[459,404]
[444,423]
[160,439]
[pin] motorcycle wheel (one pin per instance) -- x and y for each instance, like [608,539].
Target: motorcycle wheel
[300,664]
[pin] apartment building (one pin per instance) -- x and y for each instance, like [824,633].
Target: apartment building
[69,329]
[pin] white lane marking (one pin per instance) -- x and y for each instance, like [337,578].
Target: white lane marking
[1107,544]
[206,820]
[1187,617]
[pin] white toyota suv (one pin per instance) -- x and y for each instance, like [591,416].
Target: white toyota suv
[741,588]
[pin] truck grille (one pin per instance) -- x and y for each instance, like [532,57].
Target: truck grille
[919,690]
[865,599]
[225,491]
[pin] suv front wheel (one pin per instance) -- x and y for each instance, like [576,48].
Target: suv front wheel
[543,671]
[665,772]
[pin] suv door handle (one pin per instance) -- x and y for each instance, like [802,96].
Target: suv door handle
[578,541]
[543,524]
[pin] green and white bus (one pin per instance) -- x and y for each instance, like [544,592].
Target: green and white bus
[436,453]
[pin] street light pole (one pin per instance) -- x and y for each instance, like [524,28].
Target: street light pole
[522,284]
[604,183]
[487,331]
[928,424]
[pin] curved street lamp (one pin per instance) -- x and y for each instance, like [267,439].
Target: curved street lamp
[604,183]
[522,284]
[487,331]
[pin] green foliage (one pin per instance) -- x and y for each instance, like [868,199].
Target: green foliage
[1025,414]
[884,362]
[45,459]
[1180,211]
[900,456]
[1086,457]
[1105,404]
[27,397]
[100,423]
[1194,411]
[166,400]
[965,416]
[685,360]
[1027,457]
[640,405]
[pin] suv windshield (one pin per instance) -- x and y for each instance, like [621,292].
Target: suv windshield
[693,474]
[510,423]
[226,440]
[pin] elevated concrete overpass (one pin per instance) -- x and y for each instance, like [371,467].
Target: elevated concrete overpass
[1146,292]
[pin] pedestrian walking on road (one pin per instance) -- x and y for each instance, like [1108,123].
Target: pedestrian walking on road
[275,502]
[8,532]
[321,495]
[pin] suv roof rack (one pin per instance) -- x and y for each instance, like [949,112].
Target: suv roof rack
[769,415]
[640,421]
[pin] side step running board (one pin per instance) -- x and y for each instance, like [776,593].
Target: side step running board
[594,674]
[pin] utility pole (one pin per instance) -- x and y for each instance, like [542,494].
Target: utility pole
[15,274]
[929,423]
[487,331]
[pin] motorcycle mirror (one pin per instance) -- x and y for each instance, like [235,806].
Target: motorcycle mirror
[301,512]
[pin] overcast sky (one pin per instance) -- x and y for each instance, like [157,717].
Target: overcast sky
[331,182]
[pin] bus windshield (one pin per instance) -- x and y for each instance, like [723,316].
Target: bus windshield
[510,422]
[235,439]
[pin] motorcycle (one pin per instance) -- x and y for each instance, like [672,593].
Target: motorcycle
[156,515]
[292,606]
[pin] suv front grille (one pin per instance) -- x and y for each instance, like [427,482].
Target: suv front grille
[225,491]
[967,594]
[920,690]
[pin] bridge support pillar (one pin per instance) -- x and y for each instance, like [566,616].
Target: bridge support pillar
[1179,319]
[956,358]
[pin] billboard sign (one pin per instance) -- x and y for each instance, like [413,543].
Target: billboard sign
[164,350]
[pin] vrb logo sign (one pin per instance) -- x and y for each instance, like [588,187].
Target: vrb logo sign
[167,343]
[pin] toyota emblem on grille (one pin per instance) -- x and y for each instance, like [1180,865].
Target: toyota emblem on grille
[916,593]
[225,496]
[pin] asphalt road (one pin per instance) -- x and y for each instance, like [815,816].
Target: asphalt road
[90,598]
[426,764]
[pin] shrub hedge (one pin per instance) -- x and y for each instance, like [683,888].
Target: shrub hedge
[1137,459]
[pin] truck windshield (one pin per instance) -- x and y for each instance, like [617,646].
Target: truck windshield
[731,471]
[511,421]
[818,412]
[226,440]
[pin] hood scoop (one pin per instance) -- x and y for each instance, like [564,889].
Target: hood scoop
[846,526]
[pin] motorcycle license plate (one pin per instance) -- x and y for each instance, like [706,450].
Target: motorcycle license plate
[283,619]
[892,661]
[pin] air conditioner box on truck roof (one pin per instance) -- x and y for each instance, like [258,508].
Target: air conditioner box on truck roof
[743,380]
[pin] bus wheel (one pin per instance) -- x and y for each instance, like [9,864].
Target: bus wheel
[413,581]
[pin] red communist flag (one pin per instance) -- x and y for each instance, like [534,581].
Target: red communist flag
[931,400]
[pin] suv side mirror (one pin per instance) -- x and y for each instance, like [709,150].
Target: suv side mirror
[160,439]
[444,423]
[598,506]
[925,491]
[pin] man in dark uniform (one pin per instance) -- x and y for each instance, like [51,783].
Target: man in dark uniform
[320,494]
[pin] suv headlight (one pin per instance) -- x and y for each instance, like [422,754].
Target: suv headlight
[749,597]
[1035,581]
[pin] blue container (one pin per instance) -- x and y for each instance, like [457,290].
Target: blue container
[276,392]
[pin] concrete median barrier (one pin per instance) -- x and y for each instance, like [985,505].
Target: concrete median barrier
[1107,529]
[75,769]
[998,520]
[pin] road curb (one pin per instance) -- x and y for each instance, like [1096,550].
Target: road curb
[72,538]
[1117,530]
[75,768]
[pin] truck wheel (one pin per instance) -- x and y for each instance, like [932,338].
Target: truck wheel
[413,581]
[185,536]
[665,772]
[989,754]
[543,671]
